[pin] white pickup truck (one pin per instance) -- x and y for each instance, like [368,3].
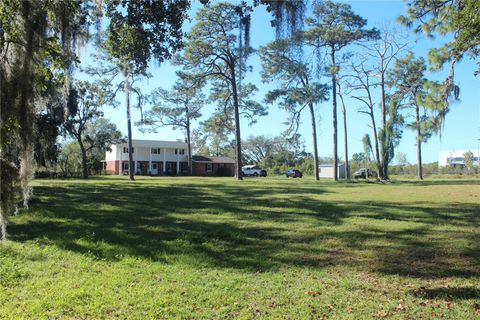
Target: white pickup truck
[253,171]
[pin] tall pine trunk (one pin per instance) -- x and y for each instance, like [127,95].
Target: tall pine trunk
[238,142]
[189,146]
[419,143]
[345,139]
[315,143]
[126,85]
[375,136]
[385,141]
[334,109]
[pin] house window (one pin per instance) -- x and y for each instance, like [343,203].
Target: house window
[176,151]
[154,166]
[125,150]
[125,165]
[181,151]
[139,165]
[156,150]
[209,167]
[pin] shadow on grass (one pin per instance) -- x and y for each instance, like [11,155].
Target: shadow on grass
[449,293]
[439,182]
[253,228]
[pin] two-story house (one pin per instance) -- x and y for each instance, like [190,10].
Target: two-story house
[150,158]
[156,158]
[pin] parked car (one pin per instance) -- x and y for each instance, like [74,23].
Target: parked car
[253,171]
[294,173]
[364,173]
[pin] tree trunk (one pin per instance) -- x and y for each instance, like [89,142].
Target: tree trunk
[3,222]
[334,105]
[84,158]
[375,136]
[347,169]
[126,85]
[189,146]
[383,103]
[385,142]
[238,142]
[314,136]
[419,144]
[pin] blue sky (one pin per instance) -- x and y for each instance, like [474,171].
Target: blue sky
[461,130]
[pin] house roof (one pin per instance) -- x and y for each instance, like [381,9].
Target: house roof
[330,165]
[205,159]
[155,143]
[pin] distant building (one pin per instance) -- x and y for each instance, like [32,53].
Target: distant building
[326,171]
[156,157]
[454,158]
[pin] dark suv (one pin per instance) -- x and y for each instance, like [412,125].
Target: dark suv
[364,173]
[294,173]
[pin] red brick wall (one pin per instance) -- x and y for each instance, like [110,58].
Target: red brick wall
[200,169]
[112,167]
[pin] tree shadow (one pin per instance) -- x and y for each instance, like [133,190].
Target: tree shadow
[250,227]
[439,182]
[448,293]
[164,222]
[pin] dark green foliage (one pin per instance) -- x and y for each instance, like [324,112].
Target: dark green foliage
[333,26]
[268,152]
[48,124]
[391,135]
[36,54]
[367,148]
[458,18]
[215,53]
[84,102]
[298,89]
[288,15]
[214,136]
[139,31]
[176,108]
[415,92]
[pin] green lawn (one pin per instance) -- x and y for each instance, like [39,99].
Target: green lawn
[215,248]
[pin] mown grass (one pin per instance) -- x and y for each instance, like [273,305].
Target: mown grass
[215,248]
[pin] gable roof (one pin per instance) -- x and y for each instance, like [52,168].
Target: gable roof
[330,165]
[205,159]
[155,144]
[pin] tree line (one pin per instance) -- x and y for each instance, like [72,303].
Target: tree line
[40,96]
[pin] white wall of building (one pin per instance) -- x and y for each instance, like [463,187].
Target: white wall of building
[326,171]
[112,155]
[142,151]
[455,157]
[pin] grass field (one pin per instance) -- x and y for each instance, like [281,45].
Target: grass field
[215,248]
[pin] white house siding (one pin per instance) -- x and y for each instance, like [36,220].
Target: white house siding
[112,155]
[142,152]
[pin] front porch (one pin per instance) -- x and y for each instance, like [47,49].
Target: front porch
[156,168]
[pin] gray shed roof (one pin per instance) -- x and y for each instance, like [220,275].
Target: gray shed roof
[205,159]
